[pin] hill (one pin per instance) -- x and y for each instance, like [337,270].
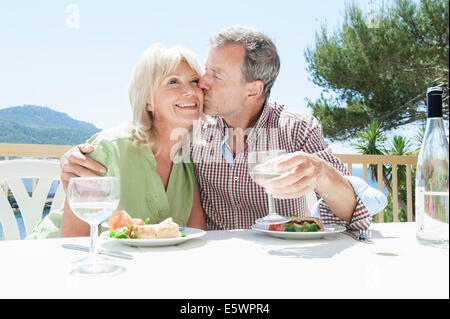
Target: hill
[31,124]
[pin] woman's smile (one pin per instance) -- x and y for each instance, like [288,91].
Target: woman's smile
[192,106]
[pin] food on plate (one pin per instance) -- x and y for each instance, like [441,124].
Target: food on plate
[122,219]
[165,229]
[304,224]
[300,224]
[277,227]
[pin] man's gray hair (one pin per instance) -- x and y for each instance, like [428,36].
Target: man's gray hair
[261,61]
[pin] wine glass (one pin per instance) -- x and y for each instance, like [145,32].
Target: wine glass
[261,166]
[93,199]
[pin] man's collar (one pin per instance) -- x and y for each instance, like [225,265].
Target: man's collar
[260,123]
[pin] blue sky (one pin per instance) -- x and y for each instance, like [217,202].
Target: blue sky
[77,57]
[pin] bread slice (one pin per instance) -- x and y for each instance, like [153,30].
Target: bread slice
[165,229]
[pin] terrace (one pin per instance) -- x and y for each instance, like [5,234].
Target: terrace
[239,255]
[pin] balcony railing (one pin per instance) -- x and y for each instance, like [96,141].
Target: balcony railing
[395,161]
[9,151]
[32,150]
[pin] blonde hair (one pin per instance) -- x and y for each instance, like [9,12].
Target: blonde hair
[156,63]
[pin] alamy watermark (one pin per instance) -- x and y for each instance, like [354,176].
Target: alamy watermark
[73,16]
[374,13]
[201,144]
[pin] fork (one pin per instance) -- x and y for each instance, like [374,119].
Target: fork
[363,236]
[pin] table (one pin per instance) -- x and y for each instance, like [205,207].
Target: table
[235,264]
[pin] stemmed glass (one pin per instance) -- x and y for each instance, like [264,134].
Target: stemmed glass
[261,166]
[93,199]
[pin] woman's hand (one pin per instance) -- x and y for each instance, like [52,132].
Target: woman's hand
[74,163]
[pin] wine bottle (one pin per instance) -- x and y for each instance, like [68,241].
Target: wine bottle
[432,177]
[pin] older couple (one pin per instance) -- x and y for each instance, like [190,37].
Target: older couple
[214,190]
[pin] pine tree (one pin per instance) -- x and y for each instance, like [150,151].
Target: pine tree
[379,67]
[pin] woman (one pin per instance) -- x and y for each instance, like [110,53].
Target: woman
[164,96]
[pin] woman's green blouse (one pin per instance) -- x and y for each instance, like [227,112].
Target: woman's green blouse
[142,193]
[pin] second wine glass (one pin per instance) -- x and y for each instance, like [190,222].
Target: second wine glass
[261,167]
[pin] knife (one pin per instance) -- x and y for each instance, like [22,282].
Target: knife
[100,251]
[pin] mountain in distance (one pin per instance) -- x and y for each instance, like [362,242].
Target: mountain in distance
[32,124]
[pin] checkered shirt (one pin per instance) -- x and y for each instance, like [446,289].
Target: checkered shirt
[231,199]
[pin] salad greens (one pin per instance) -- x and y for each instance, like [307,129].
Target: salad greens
[124,231]
[299,228]
[121,233]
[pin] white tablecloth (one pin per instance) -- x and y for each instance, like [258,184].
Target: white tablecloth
[238,264]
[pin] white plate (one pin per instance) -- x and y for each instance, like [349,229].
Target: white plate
[329,229]
[190,234]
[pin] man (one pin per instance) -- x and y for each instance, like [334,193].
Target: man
[241,69]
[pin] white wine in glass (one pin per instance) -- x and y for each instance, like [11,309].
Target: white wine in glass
[261,167]
[94,199]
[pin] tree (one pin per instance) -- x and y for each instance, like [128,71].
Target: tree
[371,141]
[380,70]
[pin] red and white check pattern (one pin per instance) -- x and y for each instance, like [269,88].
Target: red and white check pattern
[230,198]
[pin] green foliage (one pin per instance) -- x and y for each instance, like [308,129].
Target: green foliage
[418,138]
[41,125]
[372,140]
[382,69]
